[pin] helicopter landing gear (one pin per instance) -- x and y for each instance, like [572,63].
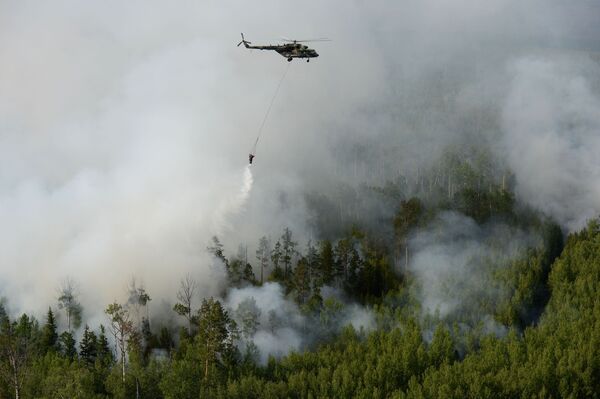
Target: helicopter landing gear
[289,59]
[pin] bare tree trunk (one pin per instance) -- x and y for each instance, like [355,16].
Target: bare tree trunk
[123,357]
[16,381]
[116,344]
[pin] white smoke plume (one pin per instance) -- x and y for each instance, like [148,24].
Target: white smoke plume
[280,320]
[453,261]
[552,135]
[283,327]
[231,206]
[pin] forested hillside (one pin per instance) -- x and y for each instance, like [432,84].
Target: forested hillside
[517,316]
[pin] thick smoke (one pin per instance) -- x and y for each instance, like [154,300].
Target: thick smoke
[454,261]
[281,326]
[124,127]
[552,134]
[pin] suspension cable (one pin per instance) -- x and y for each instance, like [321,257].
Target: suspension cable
[264,121]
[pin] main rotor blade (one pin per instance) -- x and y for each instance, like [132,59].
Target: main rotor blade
[320,39]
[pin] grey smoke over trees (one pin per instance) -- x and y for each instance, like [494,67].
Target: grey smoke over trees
[124,155]
[186,296]
[68,301]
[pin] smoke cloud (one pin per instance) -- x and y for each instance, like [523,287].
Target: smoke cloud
[454,261]
[280,324]
[125,128]
[552,134]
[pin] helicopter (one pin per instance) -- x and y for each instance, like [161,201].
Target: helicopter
[290,50]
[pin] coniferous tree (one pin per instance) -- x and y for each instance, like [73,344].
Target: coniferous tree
[343,255]
[147,338]
[327,258]
[49,335]
[16,348]
[301,281]
[216,333]
[67,345]
[103,352]
[288,251]
[236,268]
[248,275]
[165,339]
[276,258]
[88,347]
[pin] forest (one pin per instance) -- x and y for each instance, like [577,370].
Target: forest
[518,317]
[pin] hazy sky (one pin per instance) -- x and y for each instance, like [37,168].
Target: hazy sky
[125,126]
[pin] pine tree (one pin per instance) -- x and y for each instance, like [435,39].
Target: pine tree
[216,333]
[288,248]
[67,343]
[276,258]
[4,320]
[301,281]
[88,346]
[103,352]
[49,341]
[342,260]
[236,266]
[165,339]
[248,275]
[16,341]
[147,338]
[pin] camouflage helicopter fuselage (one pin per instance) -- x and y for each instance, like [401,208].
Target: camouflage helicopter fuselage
[288,50]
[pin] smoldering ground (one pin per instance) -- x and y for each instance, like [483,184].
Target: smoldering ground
[124,128]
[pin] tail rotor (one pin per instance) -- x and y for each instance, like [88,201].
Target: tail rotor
[246,42]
